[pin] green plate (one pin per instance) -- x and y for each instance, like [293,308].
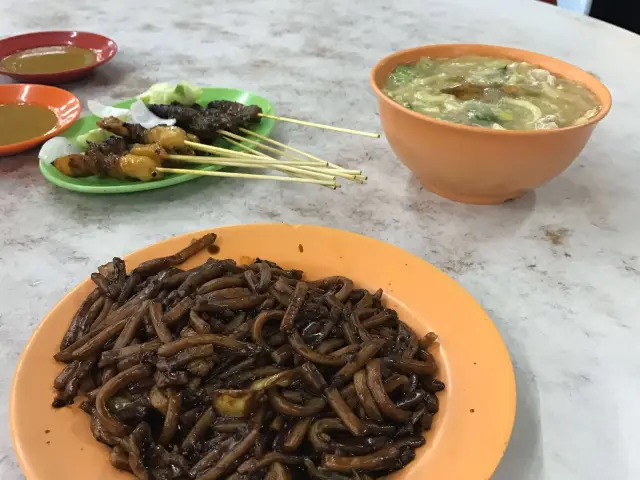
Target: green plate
[112,185]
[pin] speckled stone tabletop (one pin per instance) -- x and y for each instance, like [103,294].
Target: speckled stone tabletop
[558,270]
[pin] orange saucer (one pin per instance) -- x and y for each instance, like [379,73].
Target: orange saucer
[64,104]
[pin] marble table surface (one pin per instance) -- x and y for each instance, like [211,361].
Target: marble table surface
[558,270]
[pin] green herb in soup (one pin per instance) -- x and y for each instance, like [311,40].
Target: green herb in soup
[491,92]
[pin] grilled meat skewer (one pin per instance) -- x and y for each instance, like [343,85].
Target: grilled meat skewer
[206,122]
[114,159]
[170,138]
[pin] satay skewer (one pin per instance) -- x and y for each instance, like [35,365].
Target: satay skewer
[318,168]
[298,151]
[249,114]
[256,144]
[269,161]
[283,167]
[292,173]
[304,171]
[267,165]
[357,173]
[319,125]
[207,173]
[257,156]
[219,151]
[347,174]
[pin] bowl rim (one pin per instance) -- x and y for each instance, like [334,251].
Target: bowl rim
[14,148]
[605,100]
[108,42]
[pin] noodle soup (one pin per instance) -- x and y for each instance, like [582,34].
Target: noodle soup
[491,92]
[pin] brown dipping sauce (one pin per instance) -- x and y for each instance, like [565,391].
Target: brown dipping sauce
[20,122]
[54,59]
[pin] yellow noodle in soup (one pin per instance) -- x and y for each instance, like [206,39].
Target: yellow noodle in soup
[491,92]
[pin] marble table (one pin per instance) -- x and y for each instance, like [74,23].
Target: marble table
[558,270]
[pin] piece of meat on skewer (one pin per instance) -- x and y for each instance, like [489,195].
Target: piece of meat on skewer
[239,115]
[129,131]
[206,122]
[191,119]
[188,118]
[124,166]
[97,160]
[235,108]
[170,138]
[183,115]
[113,158]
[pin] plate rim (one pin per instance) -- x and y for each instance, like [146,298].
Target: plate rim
[146,186]
[508,417]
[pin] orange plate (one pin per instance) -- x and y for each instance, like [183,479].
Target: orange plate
[64,104]
[477,409]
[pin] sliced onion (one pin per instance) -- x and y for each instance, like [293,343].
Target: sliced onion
[139,113]
[101,110]
[57,147]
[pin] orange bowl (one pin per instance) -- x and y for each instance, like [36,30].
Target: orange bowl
[64,104]
[481,165]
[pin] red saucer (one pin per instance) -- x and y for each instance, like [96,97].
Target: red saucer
[103,47]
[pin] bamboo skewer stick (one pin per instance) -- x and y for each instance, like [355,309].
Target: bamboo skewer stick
[247,165]
[296,166]
[309,170]
[349,173]
[339,172]
[265,147]
[217,150]
[319,125]
[298,175]
[319,172]
[285,146]
[247,175]
[231,163]
[255,156]
[285,168]
[223,160]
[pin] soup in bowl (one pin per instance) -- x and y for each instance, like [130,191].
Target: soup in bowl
[484,124]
